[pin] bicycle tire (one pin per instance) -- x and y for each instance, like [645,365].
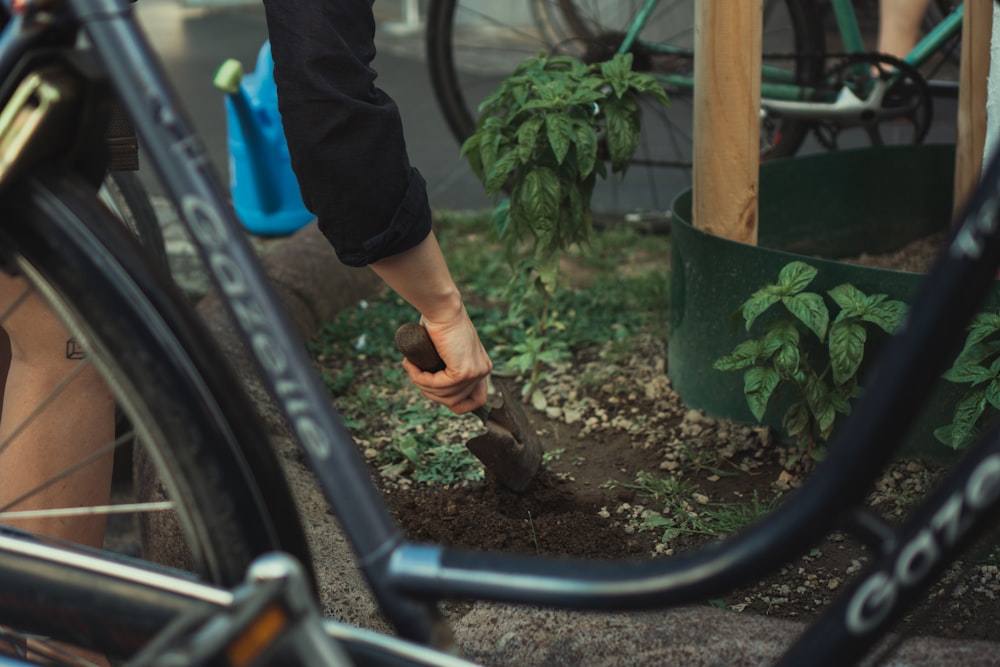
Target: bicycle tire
[472,46]
[124,192]
[225,482]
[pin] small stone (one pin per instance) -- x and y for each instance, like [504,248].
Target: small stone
[572,415]
[693,416]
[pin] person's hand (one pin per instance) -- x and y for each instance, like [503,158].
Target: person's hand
[461,386]
[420,275]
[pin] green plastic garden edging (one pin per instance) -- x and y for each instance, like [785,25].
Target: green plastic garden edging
[817,209]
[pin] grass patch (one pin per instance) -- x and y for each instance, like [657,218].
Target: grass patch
[677,507]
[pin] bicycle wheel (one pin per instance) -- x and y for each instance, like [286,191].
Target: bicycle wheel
[472,46]
[128,199]
[133,331]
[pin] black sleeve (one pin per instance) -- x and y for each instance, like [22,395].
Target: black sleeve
[345,136]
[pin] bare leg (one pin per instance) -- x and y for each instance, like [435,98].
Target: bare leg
[899,25]
[77,423]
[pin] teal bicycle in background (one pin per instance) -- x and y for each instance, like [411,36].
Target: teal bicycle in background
[888,99]
[820,76]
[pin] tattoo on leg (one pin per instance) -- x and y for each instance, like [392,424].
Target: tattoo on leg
[74,351]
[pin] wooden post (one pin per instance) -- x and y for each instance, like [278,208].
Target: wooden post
[977,29]
[726,152]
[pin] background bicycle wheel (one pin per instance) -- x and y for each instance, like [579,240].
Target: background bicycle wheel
[182,415]
[473,44]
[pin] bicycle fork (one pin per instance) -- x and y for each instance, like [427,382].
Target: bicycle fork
[58,111]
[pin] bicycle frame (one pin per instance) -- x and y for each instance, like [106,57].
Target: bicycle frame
[183,166]
[777,84]
[941,34]
[407,578]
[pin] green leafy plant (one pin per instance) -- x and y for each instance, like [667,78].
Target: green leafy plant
[977,365]
[545,135]
[437,464]
[678,507]
[822,378]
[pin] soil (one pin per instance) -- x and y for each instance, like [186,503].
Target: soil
[605,420]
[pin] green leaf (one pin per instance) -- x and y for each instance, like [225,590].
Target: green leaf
[782,333]
[850,299]
[585,96]
[967,412]
[758,385]
[978,353]
[539,195]
[887,316]
[786,362]
[840,404]
[616,71]
[585,140]
[560,134]
[795,277]
[645,84]
[815,393]
[993,393]
[841,395]
[847,349]
[622,136]
[973,374]
[809,308]
[501,217]
[797,421]
[497,176]
[943,434]
[494,102]
[470,151]
[756,305]
[527,134]
[408,448]
[982,327]
[548,273]
[825,420]
[746,353]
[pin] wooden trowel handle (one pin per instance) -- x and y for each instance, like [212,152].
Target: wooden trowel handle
[413,341]
[416,345]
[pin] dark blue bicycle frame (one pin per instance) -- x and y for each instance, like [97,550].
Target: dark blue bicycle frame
[408,578]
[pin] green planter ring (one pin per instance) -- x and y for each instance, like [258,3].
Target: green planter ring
[815,209]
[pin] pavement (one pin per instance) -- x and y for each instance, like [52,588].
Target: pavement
[192,43]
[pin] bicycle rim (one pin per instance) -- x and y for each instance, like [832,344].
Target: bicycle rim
[214,476]
[473,45]
[127,198]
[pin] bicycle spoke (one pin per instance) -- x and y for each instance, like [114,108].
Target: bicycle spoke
[7,513]
[41,407]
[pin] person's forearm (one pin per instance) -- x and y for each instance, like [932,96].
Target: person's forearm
[420,275]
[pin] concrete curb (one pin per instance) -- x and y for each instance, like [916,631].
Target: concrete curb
[310,282]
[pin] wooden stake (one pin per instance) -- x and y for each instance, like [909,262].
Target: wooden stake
[977,29]
[726,158]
